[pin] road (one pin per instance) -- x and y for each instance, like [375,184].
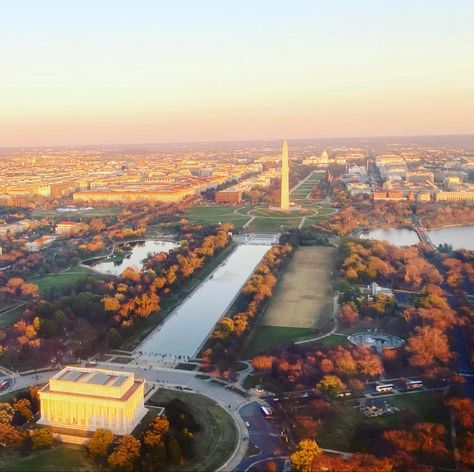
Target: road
[262,434]
[161,377]
[463,360]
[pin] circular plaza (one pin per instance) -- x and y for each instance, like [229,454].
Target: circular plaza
[379,341]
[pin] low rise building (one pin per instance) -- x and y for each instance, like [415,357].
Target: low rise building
[78,400]
[66,227]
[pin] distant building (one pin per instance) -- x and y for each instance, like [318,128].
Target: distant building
[40,243]
[389,196]
[420,177]
[66,227]
[228,196]
[454,196]
[375,289]
[174,194]
[12,229]
[77,401]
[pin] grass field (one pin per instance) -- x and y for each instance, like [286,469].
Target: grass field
[9,317]
[83,214]
[61,280]
[303,297]
[213,215]
[334,340]
[267,337]
[261,219]
[217,439]
[341,430]
[60,458]
[303,190]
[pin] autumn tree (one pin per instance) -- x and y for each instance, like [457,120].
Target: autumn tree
[304,455]
[6,413]
[331,384]
[423,438]
[428,348]
[10,436]
[347,315]
[156,431]
[466,451]
[23,407]
[464,411]
[100,442]
[41,438]
[368,363]
[355,463]
[263,362]
[125,454]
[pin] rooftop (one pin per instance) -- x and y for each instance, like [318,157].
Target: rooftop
[93,377]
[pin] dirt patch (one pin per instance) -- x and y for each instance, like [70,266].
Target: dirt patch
[304,296]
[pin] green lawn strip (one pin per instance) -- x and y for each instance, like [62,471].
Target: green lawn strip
[269,337]
[334,340]
[60,280]
[7,304]
[216,440]
[70,458]
[340,431]
[273,225]
[174,298]
[237,221]
[12,316]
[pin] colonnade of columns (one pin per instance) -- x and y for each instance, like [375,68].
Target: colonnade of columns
[88,415]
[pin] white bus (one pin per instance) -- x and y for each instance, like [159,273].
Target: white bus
[384,388]
[413,384]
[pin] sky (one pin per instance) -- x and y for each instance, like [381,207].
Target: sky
[137,71]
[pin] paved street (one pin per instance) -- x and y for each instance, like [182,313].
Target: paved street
[263,435]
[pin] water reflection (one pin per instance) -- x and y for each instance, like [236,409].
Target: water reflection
[398,236]
[189,324]
[134,254]
[459,237]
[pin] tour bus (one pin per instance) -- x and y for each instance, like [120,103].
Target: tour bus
[344,394]
[413,384]
[384,388]
[267,413]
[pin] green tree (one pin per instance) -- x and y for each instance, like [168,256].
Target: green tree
[175,454]
[113,338]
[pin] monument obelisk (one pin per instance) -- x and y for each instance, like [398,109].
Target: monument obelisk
[285,192]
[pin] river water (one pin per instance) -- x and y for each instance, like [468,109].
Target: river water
[139,251]
[459,237]
[189,324]
[398,236]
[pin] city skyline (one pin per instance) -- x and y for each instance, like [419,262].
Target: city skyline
[82,73]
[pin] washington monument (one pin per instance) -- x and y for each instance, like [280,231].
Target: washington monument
[285,193]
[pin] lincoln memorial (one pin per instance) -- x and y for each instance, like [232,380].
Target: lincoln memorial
[78,400]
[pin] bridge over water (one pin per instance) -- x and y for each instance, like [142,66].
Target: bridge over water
[257,238]
[423,234]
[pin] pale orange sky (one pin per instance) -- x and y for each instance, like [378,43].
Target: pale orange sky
[80,73]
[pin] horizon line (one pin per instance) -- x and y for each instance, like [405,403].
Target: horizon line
[245,140]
